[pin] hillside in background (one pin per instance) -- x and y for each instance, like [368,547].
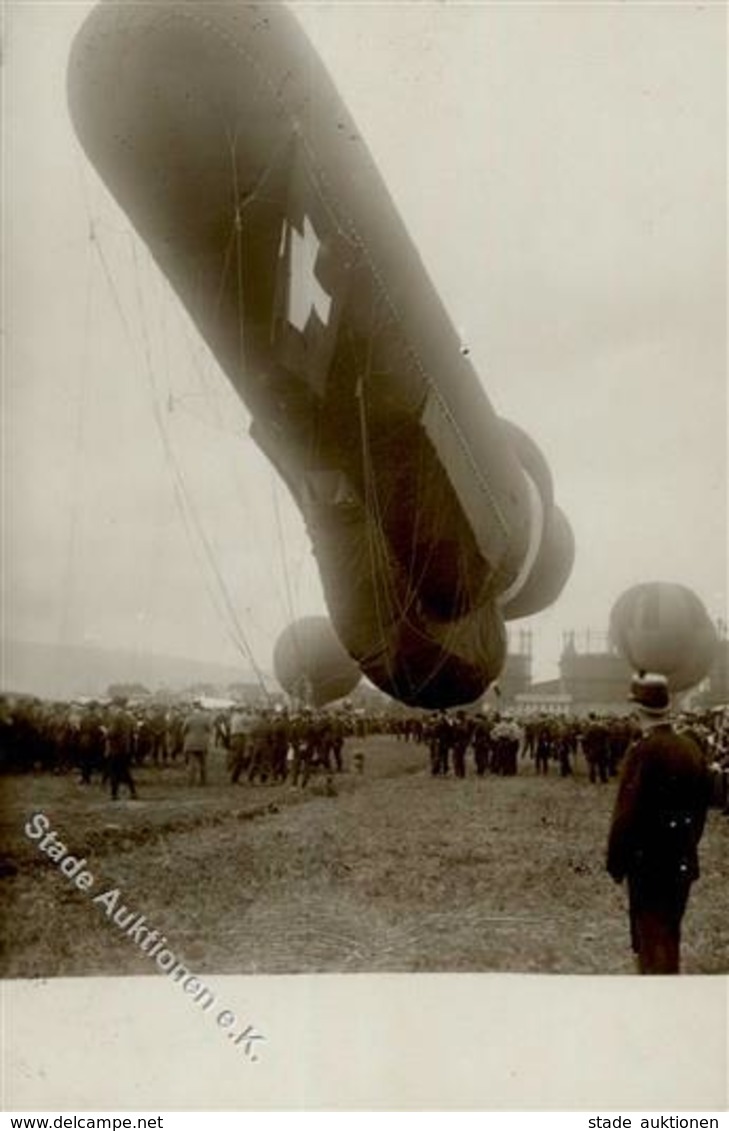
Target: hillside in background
[65,671]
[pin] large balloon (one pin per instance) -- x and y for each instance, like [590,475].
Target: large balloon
[310,663]
[221,135]
[663,627]
[554,551]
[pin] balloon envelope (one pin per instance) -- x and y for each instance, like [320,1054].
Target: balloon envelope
[663,627]
[219,132]
[310,663]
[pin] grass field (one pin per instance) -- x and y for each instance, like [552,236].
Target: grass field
[397,872]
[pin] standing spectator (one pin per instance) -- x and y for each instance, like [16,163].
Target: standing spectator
[175,733]
[157,724]
[120,748]
[656,827]
[596,749]
[337,741]
[462,730]
[442,739]
[91,744]
[482,745]
[506,739]
[241,726]
[562,748]
[543,746]
[196,740]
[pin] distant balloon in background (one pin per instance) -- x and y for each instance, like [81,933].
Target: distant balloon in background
[311,665]
[663,627]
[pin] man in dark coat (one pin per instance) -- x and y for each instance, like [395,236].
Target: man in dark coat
[656,827]
[596,747]
[442,741]
[120,747]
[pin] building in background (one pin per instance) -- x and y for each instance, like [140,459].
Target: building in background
[592,677]
[516,676]
[592,673]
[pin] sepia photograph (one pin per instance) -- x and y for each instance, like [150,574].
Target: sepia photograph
[364,518]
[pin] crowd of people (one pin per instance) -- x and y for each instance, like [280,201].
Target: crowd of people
[279,744]
[108,740]
[671,768]
[501,743]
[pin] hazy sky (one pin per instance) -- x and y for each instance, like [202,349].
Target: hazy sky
[562,169]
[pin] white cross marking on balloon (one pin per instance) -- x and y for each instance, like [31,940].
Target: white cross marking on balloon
[305,291]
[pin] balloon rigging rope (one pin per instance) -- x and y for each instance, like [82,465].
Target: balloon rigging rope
[240,637]
[237,235]
[284,559]
[181,494]
[370,502]
[72,547]
[446,648]
[378,544]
